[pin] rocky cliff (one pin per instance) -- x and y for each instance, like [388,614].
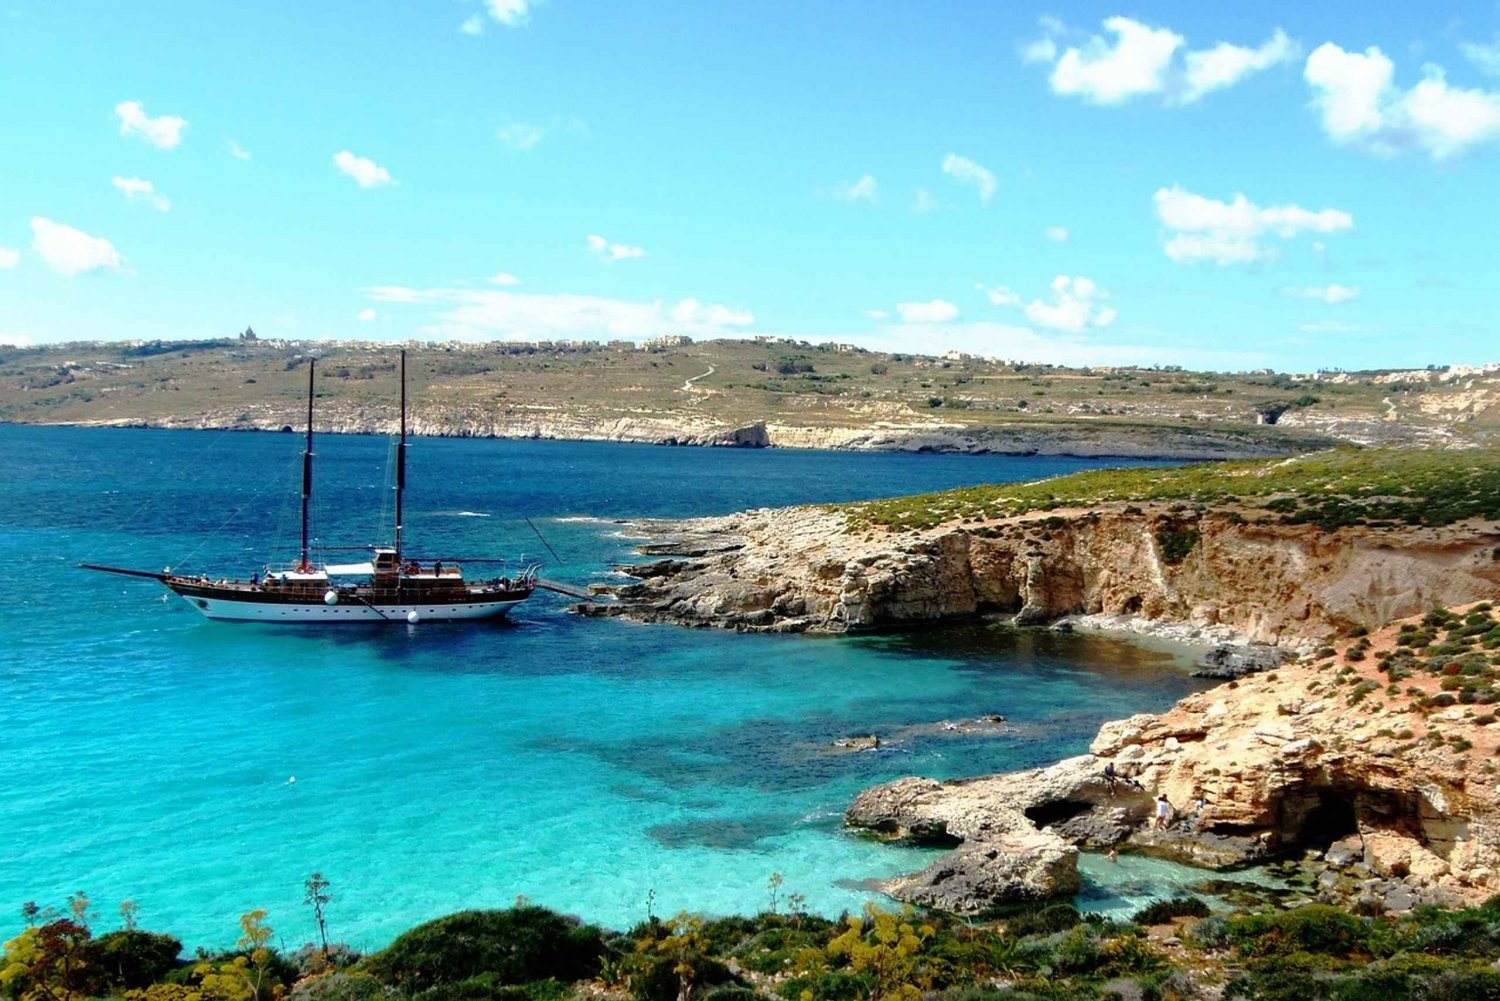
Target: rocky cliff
[1369,760]
[1257,579]
[684,427]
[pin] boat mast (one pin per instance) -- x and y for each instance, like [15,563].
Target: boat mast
[401,459]
[307,465]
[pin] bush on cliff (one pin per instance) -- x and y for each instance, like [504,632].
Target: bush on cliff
[1312,928]
[130,959]
[516,946]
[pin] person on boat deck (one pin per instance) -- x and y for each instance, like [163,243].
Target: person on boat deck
[437,568]
[254,579]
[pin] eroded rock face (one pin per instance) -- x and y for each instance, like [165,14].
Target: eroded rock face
[800,570]
[1284,763]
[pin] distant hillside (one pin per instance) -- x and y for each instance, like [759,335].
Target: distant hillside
[805,395]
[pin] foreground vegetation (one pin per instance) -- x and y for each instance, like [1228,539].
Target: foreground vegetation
[1173,949]
[1346,486]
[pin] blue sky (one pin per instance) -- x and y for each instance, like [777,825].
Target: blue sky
[1298,186]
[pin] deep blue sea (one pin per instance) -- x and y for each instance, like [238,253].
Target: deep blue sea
[203,769]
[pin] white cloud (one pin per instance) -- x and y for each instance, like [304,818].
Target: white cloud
[1330,327]
[603,249]
[163,132]
[366,173]
[1332,294]
[368,315]
[504,278]
[1225,65]
[863,190]
[1143,60]
[1043,50]
[473,25]
[521,135]
[237,151]
[692,312]
[1057,234]
[877,314]
[1232,232]
[72,252]
[1136,63]
[924,201]
[1019,343]
[935,311]
[9,258]
[1074,307]
[1359,104]
[1485,57]
[966,171]
[509,12]
[487,314]
[1000,295]
[136,189]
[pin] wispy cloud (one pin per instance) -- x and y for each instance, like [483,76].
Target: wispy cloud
[601,248]
[1204,229]
[366,172]
[1332,294]
[511,13]
[967,171]
[923,201]
[521,135]
[999,295]
[368,315]
[504,278]
[863,190]
[136,189]
[163,132]
[1057,234]
[488,314]
[237,151]
[71,252]
[932,311]
[9,258]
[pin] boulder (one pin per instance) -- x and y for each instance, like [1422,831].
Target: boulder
[1018,867]
[1231,660]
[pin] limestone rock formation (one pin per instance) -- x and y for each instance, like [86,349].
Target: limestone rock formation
[1398,798]
[1270,583]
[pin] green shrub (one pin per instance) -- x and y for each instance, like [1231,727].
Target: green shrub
[1312,928]
[517,946]
[344,985]
[732,992]
[1043,921]
[1163,911]
[130,959]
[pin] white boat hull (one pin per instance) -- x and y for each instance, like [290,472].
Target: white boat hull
[345,611]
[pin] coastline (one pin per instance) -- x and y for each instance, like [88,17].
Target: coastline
[1061,439]
[1269,602]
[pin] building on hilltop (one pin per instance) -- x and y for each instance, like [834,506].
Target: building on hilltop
[668,341]
[249,335]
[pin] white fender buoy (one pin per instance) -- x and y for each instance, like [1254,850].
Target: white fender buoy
[330,597]
[413,617]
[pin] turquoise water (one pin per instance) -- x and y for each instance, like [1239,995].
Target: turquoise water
[203,769]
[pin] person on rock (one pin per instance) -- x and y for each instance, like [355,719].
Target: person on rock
[1163,811]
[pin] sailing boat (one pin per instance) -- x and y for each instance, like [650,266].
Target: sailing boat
[390,587]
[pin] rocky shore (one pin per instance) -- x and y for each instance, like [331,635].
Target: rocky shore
[1289,585]
[1078,439]
[1393,795]
[1305,751]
